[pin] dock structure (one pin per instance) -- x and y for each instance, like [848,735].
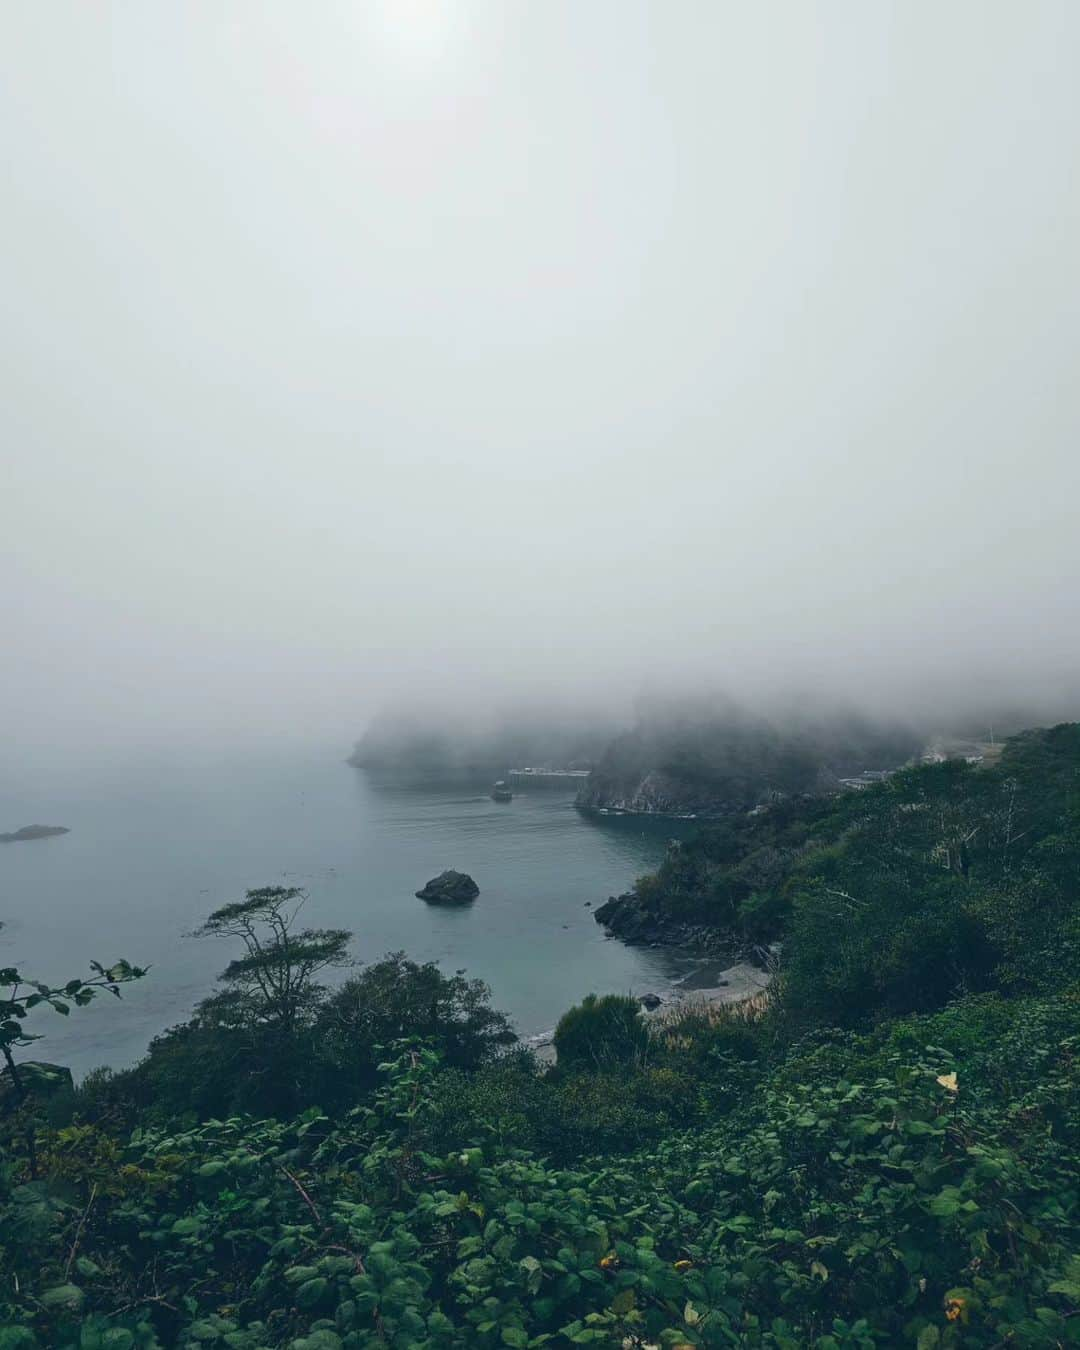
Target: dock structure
[542,776]
[868,778]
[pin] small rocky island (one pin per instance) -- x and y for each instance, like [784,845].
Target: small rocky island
[449,888]
[33,832]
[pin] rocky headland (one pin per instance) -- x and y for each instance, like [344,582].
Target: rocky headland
[713,760]
[633,921]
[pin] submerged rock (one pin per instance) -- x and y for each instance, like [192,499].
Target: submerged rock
[33,832]
[449,888]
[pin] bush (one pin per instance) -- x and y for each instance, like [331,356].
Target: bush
[561,1116]
[395,998]
[600,1033]
[887,951]
[507,1103]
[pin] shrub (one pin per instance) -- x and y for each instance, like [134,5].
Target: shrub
[601,1032]
[394,998]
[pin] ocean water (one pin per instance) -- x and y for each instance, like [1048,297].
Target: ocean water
[155,845]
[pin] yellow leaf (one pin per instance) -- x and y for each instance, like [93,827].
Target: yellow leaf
[948,1081]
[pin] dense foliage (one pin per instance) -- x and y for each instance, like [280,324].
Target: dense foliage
[943,880]
[275,1039]
[885,1153]
[602,1033]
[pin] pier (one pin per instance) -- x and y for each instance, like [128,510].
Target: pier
[545,777]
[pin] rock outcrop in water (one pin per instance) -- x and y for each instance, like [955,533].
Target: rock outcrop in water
[449,888]
[638,924]
[33,832]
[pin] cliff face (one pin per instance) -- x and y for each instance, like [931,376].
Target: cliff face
[656,792]
[712,764]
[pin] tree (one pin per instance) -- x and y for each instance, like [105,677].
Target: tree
[396,997]
[274,983]
[249,1047]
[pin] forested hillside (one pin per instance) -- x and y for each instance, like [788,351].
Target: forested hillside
[882,1151]
[941,859]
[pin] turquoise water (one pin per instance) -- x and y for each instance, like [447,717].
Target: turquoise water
[155,846]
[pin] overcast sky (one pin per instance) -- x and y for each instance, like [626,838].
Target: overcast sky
[351,349]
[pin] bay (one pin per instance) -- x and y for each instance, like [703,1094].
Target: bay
[158,841]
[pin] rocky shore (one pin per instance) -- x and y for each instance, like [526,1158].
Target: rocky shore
[629,919]
[653,793]
[709,987]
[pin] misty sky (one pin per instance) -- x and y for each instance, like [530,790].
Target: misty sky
[352,349]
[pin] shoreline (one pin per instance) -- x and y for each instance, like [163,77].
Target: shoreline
[713,984]
[720,971]
[629,919]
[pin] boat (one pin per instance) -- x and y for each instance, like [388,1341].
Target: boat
[501,793]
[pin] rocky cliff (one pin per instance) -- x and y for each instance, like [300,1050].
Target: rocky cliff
[659,792]
[709,763]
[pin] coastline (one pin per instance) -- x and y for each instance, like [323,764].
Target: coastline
[711,985]
[722,971]
[628,918]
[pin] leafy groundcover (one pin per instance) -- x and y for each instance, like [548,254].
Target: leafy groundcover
[871,1191]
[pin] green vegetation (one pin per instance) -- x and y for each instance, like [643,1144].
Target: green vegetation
[602,1033]
[945,879]
[885,1151]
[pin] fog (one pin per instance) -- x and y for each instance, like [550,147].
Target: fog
[426,350]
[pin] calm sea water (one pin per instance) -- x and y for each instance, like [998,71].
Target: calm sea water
[154,847]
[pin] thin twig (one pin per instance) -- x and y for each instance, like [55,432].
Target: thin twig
[304,1196]
[149,1298]
[78,1231]
[348,1251]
